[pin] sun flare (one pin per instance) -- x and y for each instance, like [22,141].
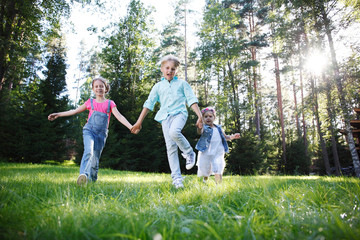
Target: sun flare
[316,63]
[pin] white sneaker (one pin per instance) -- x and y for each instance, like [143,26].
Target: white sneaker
[178,184]
[190,160]
[82,180]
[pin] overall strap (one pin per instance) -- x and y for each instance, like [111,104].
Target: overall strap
[92,105]
[108,110]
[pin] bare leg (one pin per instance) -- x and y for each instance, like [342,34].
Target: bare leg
[218,178]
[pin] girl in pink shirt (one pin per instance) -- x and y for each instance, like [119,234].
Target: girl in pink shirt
[95,130]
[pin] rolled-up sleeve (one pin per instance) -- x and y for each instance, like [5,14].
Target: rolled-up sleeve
[189,94]
[153,98]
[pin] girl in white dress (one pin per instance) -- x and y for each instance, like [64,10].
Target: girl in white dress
[212,146]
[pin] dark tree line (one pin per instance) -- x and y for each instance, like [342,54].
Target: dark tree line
[249,63]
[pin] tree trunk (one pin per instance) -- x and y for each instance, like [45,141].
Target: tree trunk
[254,76]
[302,103]
[331,127]
[296,111]
[8,21]
[301,80]
[235,99]
[321,135]
[280,107]
[186,77]
[343,103]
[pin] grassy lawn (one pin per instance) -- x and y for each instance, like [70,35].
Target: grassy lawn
[44,202]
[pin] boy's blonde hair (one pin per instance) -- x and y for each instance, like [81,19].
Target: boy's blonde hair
[104,81]
[170,58]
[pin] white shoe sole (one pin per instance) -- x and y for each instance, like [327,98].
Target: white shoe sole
[82,180]
[190,166]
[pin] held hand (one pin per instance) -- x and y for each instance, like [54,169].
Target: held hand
[53,116]
[236,136]
[136,128]
[199,123]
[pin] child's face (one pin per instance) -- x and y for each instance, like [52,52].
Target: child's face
[99,88]
[168,69]
[209,118]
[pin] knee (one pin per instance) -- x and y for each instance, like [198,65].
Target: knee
[88,153]
[175,134]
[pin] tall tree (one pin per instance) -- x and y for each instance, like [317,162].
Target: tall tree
[280,105]
[130,66]
[181,13]
[22,22]
[277,43]
[52,90]
[315,103]
[330,110]
[227,46]
[30,137]
[326,22]
[253,13]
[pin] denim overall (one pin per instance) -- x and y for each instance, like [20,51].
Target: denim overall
[95,133]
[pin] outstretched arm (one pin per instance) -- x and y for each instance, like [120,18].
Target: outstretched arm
[121,118]
[232,136]
[54,116]
[137,126]
[196,109]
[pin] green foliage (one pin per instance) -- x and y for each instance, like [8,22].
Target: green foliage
[54,83]
[44,202]
[24,22]
[232,67]
[246,156]
[131,71]
[172,40]
[51,89]
[297,162]
[27,134]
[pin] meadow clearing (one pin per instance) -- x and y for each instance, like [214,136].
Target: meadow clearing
[40,201]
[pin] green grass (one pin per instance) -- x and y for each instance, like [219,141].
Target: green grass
[44,202]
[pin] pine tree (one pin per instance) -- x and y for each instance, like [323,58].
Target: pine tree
[51,90]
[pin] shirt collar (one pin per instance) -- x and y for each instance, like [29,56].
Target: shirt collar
[174,79]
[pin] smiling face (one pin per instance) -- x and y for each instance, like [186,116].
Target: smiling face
[169,69]
[209,118]
[99,88]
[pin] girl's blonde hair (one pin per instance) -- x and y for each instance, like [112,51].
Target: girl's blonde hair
[104,81]
[170,58]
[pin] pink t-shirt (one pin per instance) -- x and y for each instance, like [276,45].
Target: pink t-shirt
[100,107]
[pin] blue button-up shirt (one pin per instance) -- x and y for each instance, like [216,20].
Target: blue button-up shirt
[172,96]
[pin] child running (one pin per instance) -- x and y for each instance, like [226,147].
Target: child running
[95,130]
[173,94]
[212,146]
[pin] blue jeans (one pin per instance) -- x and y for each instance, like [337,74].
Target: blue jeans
[172,127]
[94,136]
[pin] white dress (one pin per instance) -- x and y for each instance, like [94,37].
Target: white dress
[211,161]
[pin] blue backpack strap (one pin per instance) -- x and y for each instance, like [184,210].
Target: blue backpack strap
[108,110]
[92,105]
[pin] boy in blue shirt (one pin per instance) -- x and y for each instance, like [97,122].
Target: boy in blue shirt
[173,94]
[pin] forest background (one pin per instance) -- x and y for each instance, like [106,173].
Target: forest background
[270,68]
